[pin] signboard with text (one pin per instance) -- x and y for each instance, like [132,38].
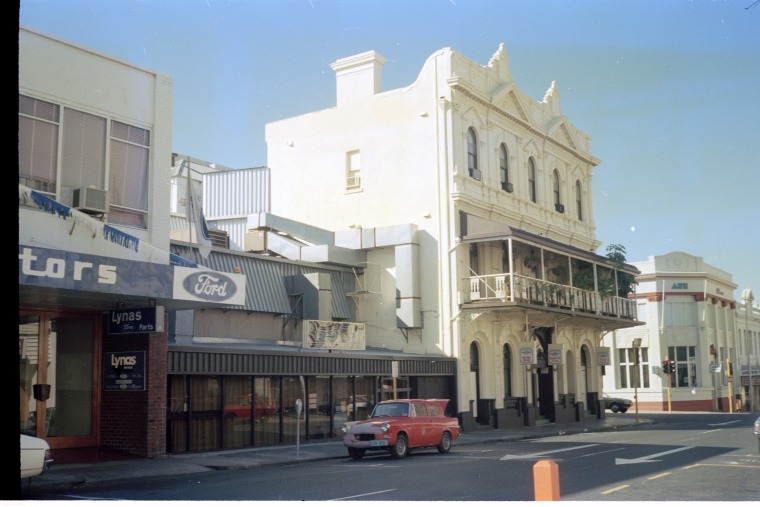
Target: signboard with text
[124,371]
[136,320]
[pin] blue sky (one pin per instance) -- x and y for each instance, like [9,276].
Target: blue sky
[668,90]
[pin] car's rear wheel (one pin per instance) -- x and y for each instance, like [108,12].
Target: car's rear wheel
[400,448]
[445,445]
[614,407]
[355,453]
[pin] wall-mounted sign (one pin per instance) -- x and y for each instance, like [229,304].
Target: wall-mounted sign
[136,320]
[527,353]
[554,357]
[124,371]
[603,356]
[324,334]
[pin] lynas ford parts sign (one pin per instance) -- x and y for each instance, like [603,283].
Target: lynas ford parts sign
[136,320]
[212,286]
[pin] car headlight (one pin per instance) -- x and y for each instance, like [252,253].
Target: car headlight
[385,427]
[344,428]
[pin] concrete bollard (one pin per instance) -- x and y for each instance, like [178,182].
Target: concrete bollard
[546,481]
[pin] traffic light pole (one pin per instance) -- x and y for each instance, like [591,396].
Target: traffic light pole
[670,381]
[730,380]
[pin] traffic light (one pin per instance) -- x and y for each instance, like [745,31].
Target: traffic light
[672,366]
[666,366]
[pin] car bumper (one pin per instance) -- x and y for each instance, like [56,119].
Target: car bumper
[376,443]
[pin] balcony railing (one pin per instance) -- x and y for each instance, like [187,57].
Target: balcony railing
[499,287]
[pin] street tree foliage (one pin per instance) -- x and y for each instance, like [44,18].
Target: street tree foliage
[625,281]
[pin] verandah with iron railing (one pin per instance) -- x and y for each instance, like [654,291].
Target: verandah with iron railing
[518,288]
[562,277]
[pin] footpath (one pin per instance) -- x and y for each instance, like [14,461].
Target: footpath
[74,475]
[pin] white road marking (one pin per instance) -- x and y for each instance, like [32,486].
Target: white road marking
[365,494]
[541,454]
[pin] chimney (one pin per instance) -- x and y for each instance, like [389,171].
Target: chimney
[358,76]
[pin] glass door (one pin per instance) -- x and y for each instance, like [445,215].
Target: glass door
[58,378]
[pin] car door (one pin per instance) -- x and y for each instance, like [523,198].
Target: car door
[424,433]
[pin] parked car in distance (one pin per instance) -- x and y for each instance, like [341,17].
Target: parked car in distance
[243,408]
[35,456]
[757,432]
[617,404]
[396,426]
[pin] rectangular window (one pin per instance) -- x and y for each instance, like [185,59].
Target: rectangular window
[685,374]
[89,157]
[128,188]
[83,159]
[629,374]
[353,170]
[38,127]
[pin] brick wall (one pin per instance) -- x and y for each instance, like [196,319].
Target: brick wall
[135,421]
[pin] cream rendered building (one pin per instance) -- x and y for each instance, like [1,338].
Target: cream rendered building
[690,318]
[473,204]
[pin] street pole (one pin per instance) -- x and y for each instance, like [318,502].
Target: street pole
[730,376]
[747,297]
[670,381]
[636,347]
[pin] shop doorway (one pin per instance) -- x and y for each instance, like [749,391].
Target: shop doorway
[58,372]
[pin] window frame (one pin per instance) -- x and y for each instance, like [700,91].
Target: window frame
[532,180]
[472,154]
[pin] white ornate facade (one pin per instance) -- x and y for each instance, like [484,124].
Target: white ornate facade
[492,192]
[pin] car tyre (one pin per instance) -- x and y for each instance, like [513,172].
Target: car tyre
[400,448]
[614,407]
[624,410]
[355,453]
[445,445]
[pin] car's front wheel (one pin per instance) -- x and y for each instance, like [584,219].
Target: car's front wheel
[355,453]
[624,410]
[614,407]
[445,445]
[400,448]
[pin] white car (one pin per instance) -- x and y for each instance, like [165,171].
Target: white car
[35,456]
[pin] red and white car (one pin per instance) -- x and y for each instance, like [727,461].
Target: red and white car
[396,426]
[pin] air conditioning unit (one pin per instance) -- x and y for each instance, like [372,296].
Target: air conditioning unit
[475,173]
[353,182]
[507,187]
[90,200]
[560,208]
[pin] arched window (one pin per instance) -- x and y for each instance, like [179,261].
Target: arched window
[532,180]
[558,207]
[578,201]
[507,355]
[472,154]
[474,357]
[504,169]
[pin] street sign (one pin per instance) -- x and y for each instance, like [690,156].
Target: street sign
[715,367]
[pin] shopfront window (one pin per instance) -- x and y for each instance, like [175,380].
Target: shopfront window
[293,425]
[321,408]
[266,396]
[205,403]
[238,412]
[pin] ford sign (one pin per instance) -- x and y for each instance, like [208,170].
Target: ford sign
[210,285]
